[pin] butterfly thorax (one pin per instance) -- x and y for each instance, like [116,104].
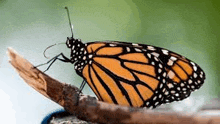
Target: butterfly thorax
[78,53]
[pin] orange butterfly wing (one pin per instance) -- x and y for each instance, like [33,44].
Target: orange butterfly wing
[118,75]
[139,75]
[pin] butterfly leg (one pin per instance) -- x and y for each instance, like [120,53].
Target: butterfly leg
[82,86]
[51,61]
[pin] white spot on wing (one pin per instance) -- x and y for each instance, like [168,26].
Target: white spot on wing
[149,55]
[173,91]
[201,75]
[144,50]
[194,67]
[128,49]
[90,62]
[159,70]
[173,58]
[112,45]
[164,74]
[164,89]
[170,62]
[155,54]
[178,88]
[190,81]
[192,63]
[165,52]
[171,74]
[73,47]
[135,44]
[182,84]
[90,56]
[147,103]
[170,85]
[195,75]
[201,72]
[137,50]
[152,63]
[155,98]
[150,48]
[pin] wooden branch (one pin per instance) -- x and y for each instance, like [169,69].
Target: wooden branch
[87,107]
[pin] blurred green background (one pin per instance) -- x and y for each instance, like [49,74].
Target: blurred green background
[188,27]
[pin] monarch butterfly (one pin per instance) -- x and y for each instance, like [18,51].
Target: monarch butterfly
[132,74]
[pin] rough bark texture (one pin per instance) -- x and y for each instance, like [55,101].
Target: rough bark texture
[88,108]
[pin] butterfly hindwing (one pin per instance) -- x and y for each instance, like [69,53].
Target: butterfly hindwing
[183,75]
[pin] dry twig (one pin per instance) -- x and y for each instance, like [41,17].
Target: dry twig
[86,107]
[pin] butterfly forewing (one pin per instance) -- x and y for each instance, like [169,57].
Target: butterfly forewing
[124,74]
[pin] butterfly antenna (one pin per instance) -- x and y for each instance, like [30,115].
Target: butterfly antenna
[71,26]
[50,47]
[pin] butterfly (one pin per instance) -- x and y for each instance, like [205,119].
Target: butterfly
[131,74]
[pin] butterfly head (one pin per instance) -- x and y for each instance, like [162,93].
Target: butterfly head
[73,43]
[70,42]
